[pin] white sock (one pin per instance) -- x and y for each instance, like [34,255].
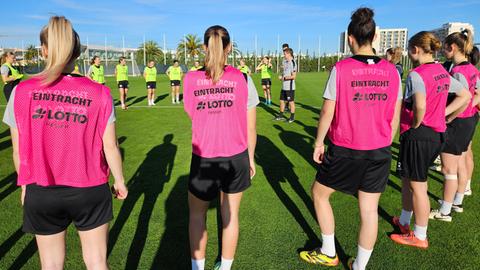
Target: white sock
[226,264]
[420,232]
[198,264]
[405,217]
[328,245]
[446,208]
[178,97]
[363,256]
[468,187]
[458,200]
[173,99]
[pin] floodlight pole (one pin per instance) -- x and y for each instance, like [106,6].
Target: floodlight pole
[278,54]
[144,52]
[319,52]
[256,52]
[106,53]
[164,50]
[185,47]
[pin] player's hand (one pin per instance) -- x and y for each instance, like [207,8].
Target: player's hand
[119,190]
[22,196]
[253,170]
[280,78]
[318,153]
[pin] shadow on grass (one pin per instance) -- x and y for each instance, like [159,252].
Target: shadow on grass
[173,251]
[5,134]
[137,100]
[148,181]
[12,180]
[26,253]
[161,97]
[277,168]
[5,144]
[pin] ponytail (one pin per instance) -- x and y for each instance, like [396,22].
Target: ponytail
[463,40]
[425,40]
[474,56]
[63,46]
[217,40]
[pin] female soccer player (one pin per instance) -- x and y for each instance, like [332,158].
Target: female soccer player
[244,68]
[96,71]
[394,56]
[10,75]
[360,115]
[266,70]
[64,146]
[196,66]
[221,105]
[150,75]
[422,128]
[458,47]
[121,72]
[175,74]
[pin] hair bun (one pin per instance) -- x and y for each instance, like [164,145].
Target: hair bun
[362,15]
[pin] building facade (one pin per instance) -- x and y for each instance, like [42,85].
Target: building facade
[451,27]
[386,38]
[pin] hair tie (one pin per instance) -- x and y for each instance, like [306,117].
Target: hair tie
[465,32]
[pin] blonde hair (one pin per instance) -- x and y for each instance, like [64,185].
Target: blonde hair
[63,46]
[425,40]
[463,40]
[217,40]
[3,59]
[396,54]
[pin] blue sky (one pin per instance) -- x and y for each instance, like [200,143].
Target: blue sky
[245,18]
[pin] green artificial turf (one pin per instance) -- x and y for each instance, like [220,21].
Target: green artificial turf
[150,228]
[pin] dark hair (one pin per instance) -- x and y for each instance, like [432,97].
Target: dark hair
[362,26]
[93,59]
[289,51]
[285,45]
[463,40]
[425,40]
[175,61]
[474,56]
[217,40]
[120,59]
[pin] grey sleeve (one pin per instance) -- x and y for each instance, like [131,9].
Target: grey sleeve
[415,84]
[9,116]
[459,77]
[112,118]
[4,70]
[89,71]
[477,85]
[253,99]
[400,89]
[455,86]
[331,87]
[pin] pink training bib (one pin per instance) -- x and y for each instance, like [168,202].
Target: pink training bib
[437,85]
[60,132]
[365,104]
[471,73]
[218,113]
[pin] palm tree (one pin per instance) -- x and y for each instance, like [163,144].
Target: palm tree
[31,52]
[152,51]
[193,46]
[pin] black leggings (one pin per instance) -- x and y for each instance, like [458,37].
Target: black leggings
[8,88]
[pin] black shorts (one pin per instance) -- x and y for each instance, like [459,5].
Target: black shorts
[418,150]
[351,174]
[175,83]
[123,84]
[459,135]
[151,85]
[287,95]
[50,210]
[266,82]
[209,176]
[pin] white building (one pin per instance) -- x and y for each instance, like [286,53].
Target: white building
[451,27]
[386,38]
